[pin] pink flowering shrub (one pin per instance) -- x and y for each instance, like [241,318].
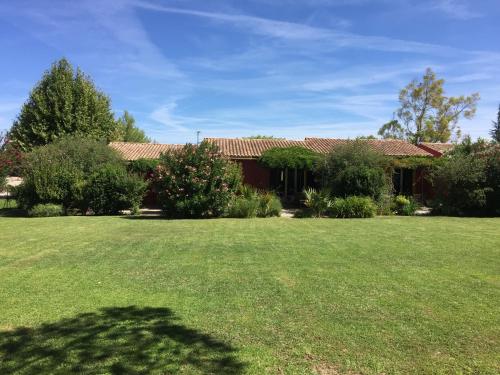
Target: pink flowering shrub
[10,157]
[196,182]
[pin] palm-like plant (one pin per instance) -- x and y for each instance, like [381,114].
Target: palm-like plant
[317,201]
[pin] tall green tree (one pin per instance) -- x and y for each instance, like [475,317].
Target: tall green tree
[65,101]
[126,131]
[426,114]
[495,132]
[392,130]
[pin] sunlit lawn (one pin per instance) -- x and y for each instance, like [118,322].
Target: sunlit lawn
[294,296]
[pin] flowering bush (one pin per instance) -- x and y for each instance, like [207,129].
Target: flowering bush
[196,181]
[10,158]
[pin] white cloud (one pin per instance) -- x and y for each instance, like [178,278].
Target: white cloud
[165,116]
[458,9]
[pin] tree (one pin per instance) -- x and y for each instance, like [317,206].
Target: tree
[427,115]
[392,130]
[495,132]
[355,169]
[126,131]
[63,102]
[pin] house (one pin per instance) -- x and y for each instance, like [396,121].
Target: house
[437,149]
[407,181]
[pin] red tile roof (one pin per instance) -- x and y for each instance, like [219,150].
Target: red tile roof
[436,148]
[390,147]
[250,148]
[237,148]
[134,151]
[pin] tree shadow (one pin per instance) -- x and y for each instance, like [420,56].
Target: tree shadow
[116,340]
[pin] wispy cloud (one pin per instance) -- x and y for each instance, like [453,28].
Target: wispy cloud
[458,9]
[292,31]
[164,115]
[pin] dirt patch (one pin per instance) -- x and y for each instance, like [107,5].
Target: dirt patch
[324,368]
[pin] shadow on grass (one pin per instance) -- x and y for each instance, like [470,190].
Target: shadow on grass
[12,212]
[117,340]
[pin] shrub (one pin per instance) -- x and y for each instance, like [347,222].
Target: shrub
[143,167]
[3,183]
[46,210]
[492,156]
[243,207]
[196,181]
[10,157]
[353,207]
[461,185]
[355,169]
[251,203]
[110,189]
[385,204]
[317,201]
[405,206]
[56,173]
[269,205]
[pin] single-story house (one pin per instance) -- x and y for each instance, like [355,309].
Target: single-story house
[436,149]
[407,181]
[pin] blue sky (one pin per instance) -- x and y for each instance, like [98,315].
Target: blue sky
[231,68]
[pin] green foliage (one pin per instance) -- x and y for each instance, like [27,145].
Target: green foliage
[405,206]
[353,207]
[492,157]
[196,181]
[289,157]
[3,183]
[126,131]
[243,207]
[392,130]
[318,202]
[110,189]
[143,167]
[467,181]
[63,102]
[251,203]
[414,162]
[57,172]
[269,205]
[460,185]
[46,210]
[426,114]
[495,131]
[354,169]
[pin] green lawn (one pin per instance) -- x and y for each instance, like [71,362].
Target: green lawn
[279,296]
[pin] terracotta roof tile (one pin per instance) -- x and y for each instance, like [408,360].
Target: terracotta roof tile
[250,148]
[134,151]
[436,148]
[389,147]
[237,148]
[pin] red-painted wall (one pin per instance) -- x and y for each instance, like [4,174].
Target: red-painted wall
[255,174]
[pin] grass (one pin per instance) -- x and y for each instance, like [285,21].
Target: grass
[395,295]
